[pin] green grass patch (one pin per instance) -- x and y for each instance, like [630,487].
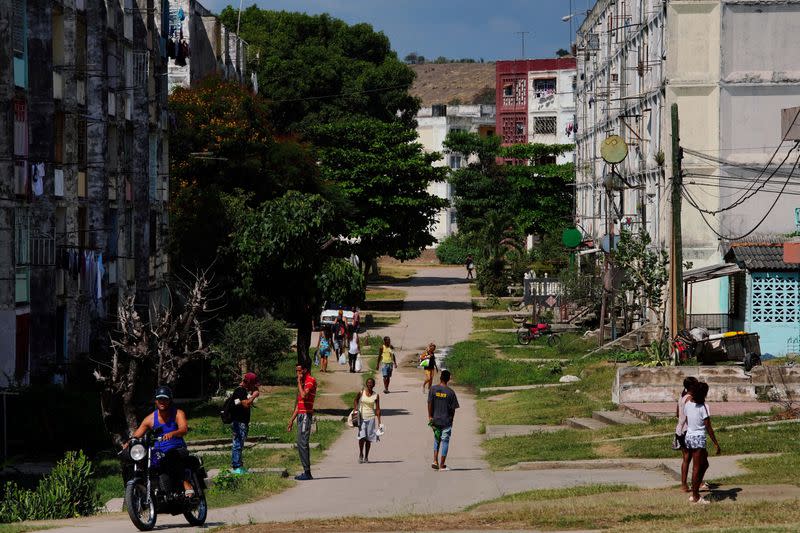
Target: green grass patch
[566,445]
[248,488]
[491,304]
[389,274]
[551,406]
[473,363]
[496,338]
[780,469]
[381,293]
[20,528]
[492,323]
[473,290]
[556,494]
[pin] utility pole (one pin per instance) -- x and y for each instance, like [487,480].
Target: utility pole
[677,313]
[522,34]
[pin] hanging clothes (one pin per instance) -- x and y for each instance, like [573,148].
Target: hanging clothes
[37,178]
[180,54]
[100,271]
[171,48]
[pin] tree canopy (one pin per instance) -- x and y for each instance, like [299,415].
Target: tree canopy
[384,174]
[317,69]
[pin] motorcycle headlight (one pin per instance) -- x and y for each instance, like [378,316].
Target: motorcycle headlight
[138,452]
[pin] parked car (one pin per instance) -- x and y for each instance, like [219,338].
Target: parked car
[331,311]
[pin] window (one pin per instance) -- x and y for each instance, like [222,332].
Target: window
[544,87]
[22,234]
[515,92]
[18,30]
[614,77]
[508,90]
[456,161]
[519,128]
[514,128]
[544,125]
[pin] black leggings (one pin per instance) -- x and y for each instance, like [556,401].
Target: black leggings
[351,358]
[173,468]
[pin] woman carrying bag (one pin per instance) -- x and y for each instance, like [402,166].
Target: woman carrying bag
[367,405]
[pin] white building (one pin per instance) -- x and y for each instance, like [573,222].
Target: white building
[729,66]
[535,102]
[433,125]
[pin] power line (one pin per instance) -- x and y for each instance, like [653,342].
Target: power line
[693,203]
[750,192]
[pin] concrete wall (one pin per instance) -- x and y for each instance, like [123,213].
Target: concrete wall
[560,105]
[726,383]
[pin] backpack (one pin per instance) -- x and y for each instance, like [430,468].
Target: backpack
[226,414]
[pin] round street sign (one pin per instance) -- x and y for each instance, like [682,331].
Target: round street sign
[571,237]
[607,243]
[614,150]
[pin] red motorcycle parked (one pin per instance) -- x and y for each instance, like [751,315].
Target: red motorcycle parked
[528,332]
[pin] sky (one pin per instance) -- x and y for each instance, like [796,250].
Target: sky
[451,28]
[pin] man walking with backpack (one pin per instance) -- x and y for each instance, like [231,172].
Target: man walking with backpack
[237,411]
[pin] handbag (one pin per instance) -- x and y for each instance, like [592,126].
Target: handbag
[353,419]
[676,441]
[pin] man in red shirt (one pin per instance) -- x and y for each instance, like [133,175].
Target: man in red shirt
[303,412]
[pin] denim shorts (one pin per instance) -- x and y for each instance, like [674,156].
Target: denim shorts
[386,370]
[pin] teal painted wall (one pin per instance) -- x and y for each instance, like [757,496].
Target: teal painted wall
[773,310]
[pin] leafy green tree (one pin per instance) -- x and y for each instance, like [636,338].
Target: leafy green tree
[317,69]
[223,145]
[497,205]
[284,247]
[250,343]
[384,174]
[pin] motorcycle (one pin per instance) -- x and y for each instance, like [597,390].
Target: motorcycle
[528,332]
[148,491]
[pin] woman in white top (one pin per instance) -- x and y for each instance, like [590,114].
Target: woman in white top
[680,429]
[368,406]
[698,425]
[354,348]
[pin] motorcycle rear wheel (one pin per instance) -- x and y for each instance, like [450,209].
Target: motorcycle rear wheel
[141,508]
[196,515]
[524,337]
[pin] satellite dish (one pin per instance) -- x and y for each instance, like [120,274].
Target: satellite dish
[614,150]
[571,237]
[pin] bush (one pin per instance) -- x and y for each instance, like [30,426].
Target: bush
[68,491]
[454,249]
[256,343]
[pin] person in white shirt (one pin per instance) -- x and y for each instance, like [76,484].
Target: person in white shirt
[698,425]
[680,430]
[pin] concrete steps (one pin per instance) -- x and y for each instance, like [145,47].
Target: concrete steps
[616,418]
[585,423]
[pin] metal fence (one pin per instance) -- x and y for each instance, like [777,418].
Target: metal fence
[713,322]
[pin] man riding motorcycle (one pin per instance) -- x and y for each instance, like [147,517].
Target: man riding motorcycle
[172,452]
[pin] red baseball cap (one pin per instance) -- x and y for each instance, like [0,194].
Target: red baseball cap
[250,378]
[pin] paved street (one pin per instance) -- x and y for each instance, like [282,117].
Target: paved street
[400,479]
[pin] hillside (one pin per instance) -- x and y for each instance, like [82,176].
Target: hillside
[441,83]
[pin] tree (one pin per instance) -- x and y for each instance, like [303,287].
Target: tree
[384,174]
[411,58]
[497,205]
[561,52]
[318,69]
[250,343]
[283,247]
[158,347]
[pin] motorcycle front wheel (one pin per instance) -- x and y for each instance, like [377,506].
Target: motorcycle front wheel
[196,508]
[141,507]
[524,337]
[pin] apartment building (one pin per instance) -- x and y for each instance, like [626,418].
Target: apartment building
[535,102]
[727,65]
[84,171]
[433,125]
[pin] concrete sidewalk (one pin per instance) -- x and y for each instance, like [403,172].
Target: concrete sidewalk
[399,479]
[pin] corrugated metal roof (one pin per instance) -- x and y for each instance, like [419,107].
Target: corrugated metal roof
[710,272]
[759,256]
